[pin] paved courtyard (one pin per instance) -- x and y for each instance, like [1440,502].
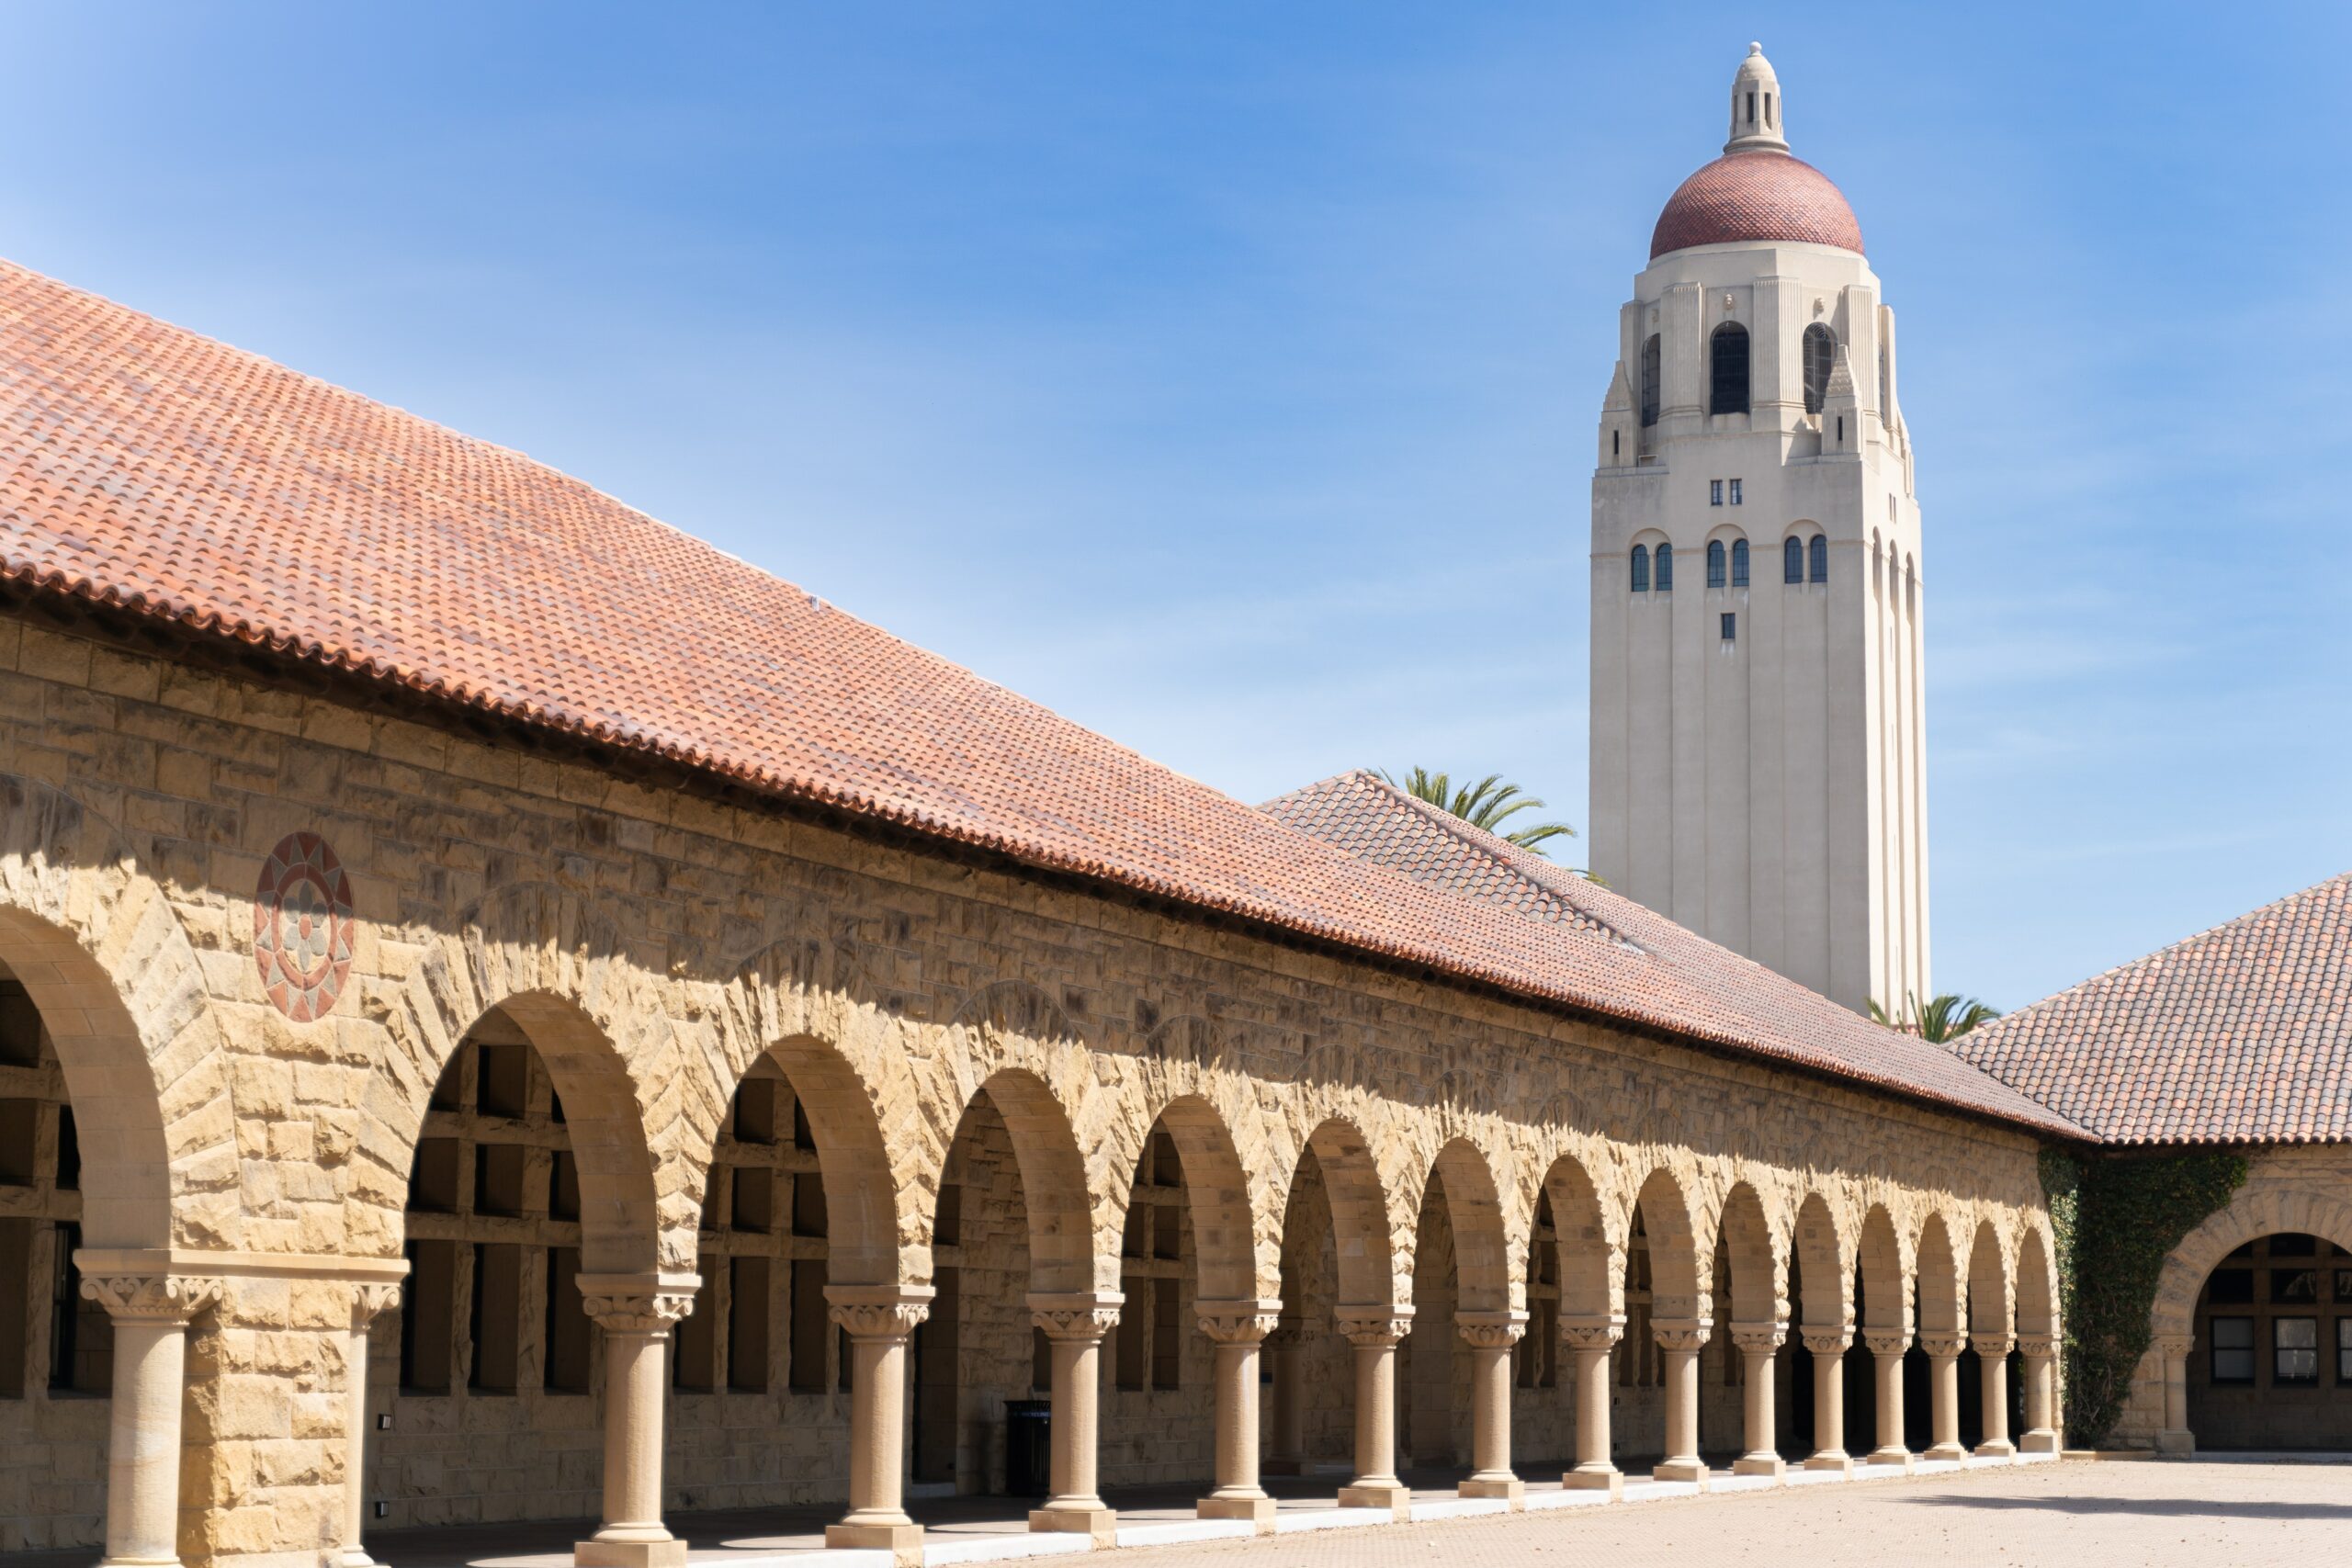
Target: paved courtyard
[2207,1514]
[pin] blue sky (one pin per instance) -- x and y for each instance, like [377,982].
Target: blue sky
[1224,376]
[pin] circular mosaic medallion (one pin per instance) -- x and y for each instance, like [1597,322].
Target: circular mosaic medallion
[303,927]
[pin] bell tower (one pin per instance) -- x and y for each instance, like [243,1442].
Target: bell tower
[1758,743]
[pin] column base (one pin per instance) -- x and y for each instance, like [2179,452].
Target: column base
[1101,1523]
[1681,1470]
[1946,1451]
[2040,1440]
[1890,1459]
[1509,1488]
[630,1555]
[139,1562]
[1258,1510]
[1837,1460]
[355,1557]
[2177,1441]
[1393,1495]
[1997,1447]
[903,1542]
[1760,1464]
[1598,1478]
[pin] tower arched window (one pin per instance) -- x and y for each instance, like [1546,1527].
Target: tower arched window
[1792,560]
[1820,353]
[1739,563]
[1727,371]
[1649,379]
[1715,563]
[1821,558]
[1641,569]
[1666,569]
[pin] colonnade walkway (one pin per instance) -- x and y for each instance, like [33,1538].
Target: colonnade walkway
[988,1529]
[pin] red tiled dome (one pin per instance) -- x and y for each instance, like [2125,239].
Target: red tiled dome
[1756,196]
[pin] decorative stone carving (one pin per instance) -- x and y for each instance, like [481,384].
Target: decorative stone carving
[1592,1333]
[1238,1323]
[1682,1334]
[1827,1341]
[1887,1341]
[878,1312]
[1766,1337]
[303,927]
[1490,1330]
[1375,1328]
[650,1312]
[2175,1347]
[1993,1347]
[367,1299]
[1943,1344]
[2037,1346]
[1083,1316]
[152,1297]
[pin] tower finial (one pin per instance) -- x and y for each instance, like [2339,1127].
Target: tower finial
[1756,107]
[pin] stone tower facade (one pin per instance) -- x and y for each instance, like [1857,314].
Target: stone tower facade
[1758,730]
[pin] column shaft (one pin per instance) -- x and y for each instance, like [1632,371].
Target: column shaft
[2041,1436]
[2176,1438]
[367,1302]
[1943,1408]
[1374,1333]
[1594,1469]
[1237,1328]
[636,1313]
[1491,1335]
[1074,1324]
[1886,1352]
[1828,1349]
[149,1314]
[1993,1361]
[1682,1342]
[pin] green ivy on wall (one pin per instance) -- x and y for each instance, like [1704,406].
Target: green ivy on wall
[2115,1220]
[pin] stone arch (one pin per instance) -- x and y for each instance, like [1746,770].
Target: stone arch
[1679,1275]
[1988,1284]
[557,968]
[2037,1284]
[1062,1254]
[1360,1231]
[1887,1289]
[2252,1214]
[1940,1279]
[101,953]
[1217,1199]
[1481,1234]
[1824,1267]
[1758,1280]
[1591,1272]
[870,1222]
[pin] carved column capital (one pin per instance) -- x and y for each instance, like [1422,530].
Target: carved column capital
[1943,1345]
[637,1303]
[1374,1326]
[2037,1346]
[371,1298]
[1682,1332]
[1491,1330]
[1765,1338]
[152,1297]
[1887,1341]
[878,1312]
[2175,1347]
[1592,1333]
[1075,1314]
[1827,1341]
[1243,1321]
[1993,1347]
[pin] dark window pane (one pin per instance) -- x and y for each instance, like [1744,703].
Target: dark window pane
[2231,1287]
[1739,563]
[1728,355]
[1665,558]
[2294,1349]
[1715,563]
[1649,380]
[1792,561]
[2296,1286]
[2344,1288]
[2232,1349]
[1821,558]
[1731,628]
[2295,1246]
[1820,351]
[1641,569]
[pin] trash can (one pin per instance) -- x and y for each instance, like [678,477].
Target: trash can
[1028,1446]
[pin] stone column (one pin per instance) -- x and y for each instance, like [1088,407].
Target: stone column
[367,1300]
[1828,1348]
[1758,1342]
[2040,1434]
[1681,1340]
[1887,1346]
[879,1319]
[1993,1361]
[1374,1332]
[2176,1438]
[1074,1323]
[1286,1347]
[1237,1328]
[1491,1335]
[151,1314]
[635,1311]
[1943,1355]
[1588,1340]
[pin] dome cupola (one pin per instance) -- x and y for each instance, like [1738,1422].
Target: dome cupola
[1757,190]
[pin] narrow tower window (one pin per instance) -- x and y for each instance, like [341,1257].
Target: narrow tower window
[1728,385]
[1649,380]
[1821,558]
[1767,111]
[1731,628]
[1739,563]
[1820,352]
[1641,569]
[1751,108]
[1715,563]
[1666,569]
[1792,560]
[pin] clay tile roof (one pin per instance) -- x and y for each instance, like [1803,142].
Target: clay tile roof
[1744,196]
[147,469]
[2241,1035]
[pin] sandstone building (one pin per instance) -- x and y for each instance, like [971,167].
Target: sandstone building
[507,1012]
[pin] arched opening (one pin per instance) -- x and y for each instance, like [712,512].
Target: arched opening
[1641,569]
[2271,1366]
[1820,549]
[1718,564]
[530,1169]
[1990,1333]
[1820,350]
[1336,1254]
[1661,1291]
[1747,1296]
[1727,379]
[1824,1294]
[1791,559]
[1664,558]
[1650,371]
[1739,563]
[1459,1265]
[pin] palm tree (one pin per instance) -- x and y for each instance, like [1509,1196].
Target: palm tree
[1486,803]
[1944,1019]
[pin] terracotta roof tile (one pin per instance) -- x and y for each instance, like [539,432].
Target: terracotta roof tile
[147,467]
[1756,196]
[2241,1034]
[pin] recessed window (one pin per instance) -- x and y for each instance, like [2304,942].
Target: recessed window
[1665,558]
[1616,443]
[2294,1352]
[1731,628]
[2233,1350]
[1727,379]
[1821,558]
[1649,380]
[1751,108]
[1738,561]
[1820,355]
[1735,493]
[1641,569]
[1715,563]
[1714,492]
[1792,560]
